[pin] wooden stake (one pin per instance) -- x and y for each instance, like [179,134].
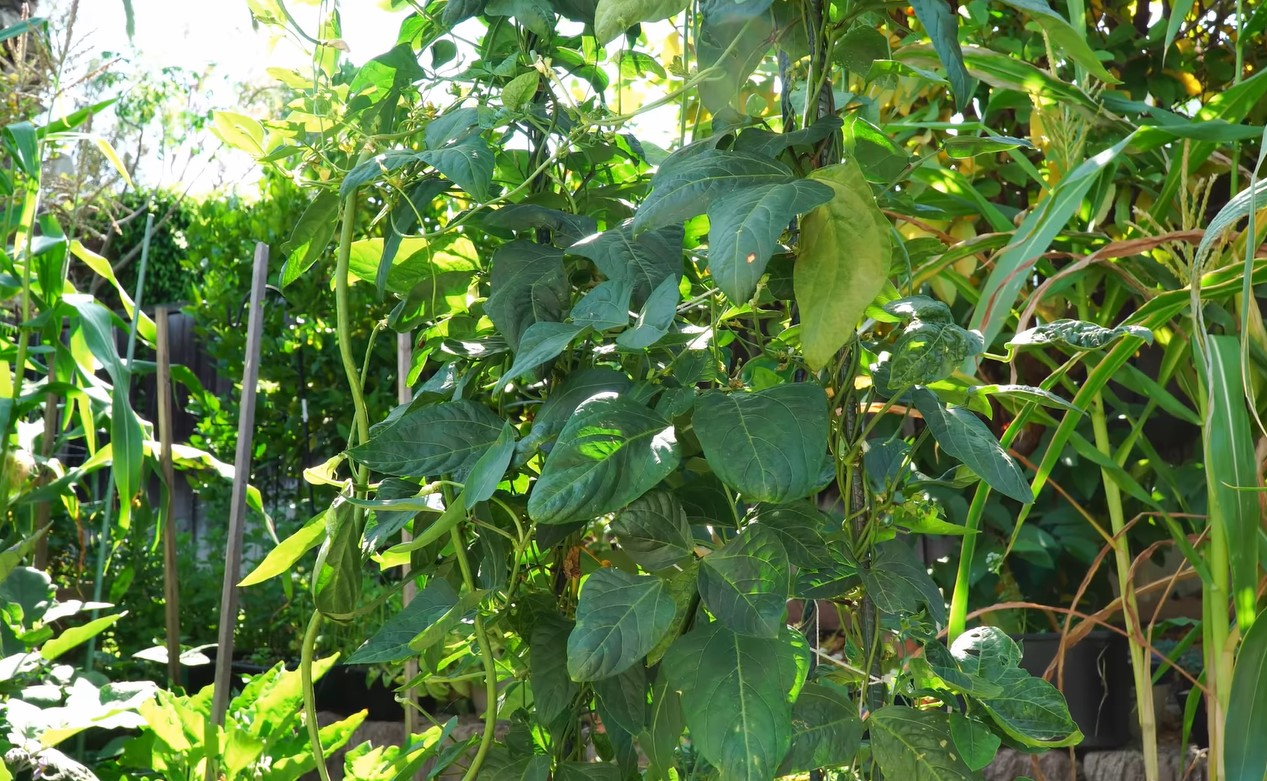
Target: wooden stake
[404,358]
[171,591]
[237,503]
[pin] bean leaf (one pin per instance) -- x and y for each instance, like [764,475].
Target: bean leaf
[744,229]
[654,531]
[611,451]
[915,744]
[620,617]
[441,439]
[964,436]
[682,191]
[842,262]
[736,697]
[1078,335]
[745,583]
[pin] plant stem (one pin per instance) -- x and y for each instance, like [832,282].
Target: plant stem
[310,695]
[963,576]
[343,324]
[486,655]
[1140,663]
[21,241]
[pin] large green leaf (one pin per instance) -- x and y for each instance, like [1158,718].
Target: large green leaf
[655,319]
[744,229]
[915,745]
[1029,710]
[309,237]
[736,697]
[644,260]
[540,343]
[801,527]
[29,589]
[770,444]
[689,188]
[1245,752]
[563,401]
[842,262]
[468,164]
[734,39]
[943,29]
[613,17]
[490,468]
[962,434]
[622,699]
[898,583]
[605,306]
[745,583]
[976,743]
[931,346]
[611,451]
[619,618]
[654,531]
[1232,471]
[553,690]
[403,220]
[528,286]
[441,439]
[336,586]
[826,730]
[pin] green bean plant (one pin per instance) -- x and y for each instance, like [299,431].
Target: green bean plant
[657,396]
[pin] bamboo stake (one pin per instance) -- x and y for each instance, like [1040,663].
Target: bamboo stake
[404,357]
[237,505]
[171,591]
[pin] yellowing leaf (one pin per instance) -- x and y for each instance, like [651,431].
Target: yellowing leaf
[842,263]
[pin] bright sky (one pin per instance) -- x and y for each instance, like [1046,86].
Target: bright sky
[219,36]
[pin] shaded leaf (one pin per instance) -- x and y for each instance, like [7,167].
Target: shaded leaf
[964,436]
[440,439]
[899,584]
[913,744]
[645,260]
[611,451]
[563,401]
[826,730]
[744,229]
[689,188]
[540,343]
[622,699]
[654,531]
[528,286]
[736,698]
[619,618]
[468,164]
[391,643]
[770,444]
[655,319]
[800,526]
[745,583]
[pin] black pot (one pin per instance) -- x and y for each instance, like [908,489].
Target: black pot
[1199,735]
[1097,682]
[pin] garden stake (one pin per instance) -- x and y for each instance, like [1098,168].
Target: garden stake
[171,592]
[403,358]
[237,502]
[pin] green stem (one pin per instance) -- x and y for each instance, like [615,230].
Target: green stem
[963,576]
[1140,663]
[310,695]
[343,324]
[486,655]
